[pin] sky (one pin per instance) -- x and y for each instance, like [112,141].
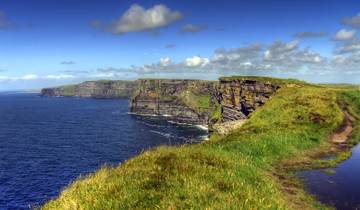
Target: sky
[46,43]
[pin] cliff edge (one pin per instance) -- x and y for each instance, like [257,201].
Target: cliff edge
[94,89]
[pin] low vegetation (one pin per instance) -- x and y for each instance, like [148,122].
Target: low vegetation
[198,102]
[68,90]
[242,170]
[265,79]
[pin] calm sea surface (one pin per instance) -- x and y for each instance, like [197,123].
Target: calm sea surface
[46,143]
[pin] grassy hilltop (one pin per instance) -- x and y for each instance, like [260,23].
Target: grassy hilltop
[247,169]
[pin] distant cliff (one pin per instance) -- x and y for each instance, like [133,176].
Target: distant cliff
[94,89]
[184,101]
[223,104]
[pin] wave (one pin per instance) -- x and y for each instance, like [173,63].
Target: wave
[167,135]
[202,127]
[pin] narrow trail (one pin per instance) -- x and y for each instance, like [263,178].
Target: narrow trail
[344,132]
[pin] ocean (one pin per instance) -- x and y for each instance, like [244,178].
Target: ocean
[47,143]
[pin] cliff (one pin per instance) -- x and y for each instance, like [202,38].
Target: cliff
[184,101]
[223,104]
[94,89]
[235,98]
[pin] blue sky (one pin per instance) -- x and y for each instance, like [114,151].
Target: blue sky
[46,43]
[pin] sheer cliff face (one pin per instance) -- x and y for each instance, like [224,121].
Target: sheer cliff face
[94,89]
[180,100]
[188,101]
[238,98]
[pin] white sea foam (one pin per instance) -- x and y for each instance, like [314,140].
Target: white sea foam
[205,137]
[167,135]
[146,115]
[202,127]
[166,115]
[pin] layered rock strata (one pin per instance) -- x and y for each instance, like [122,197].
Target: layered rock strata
[185,101]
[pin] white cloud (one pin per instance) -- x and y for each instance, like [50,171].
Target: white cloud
[29,77]
[196,61]
[280,50]
[61,76]
[165,61]
[104,75]
[4,78]
[252,59]
[138,18]
[344,34]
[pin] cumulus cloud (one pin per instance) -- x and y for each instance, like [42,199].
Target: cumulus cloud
[310,34]
[251,59]
[343,35]
[165,61]
[137,18]
[196,61]
[352,21]
[67,63]
[191,28]
[244,57]
[348,64]
[348,47]
[280,51]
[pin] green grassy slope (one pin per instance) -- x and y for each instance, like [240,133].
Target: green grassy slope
[68,90]
[233,172]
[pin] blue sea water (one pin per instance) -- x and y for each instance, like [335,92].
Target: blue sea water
[46,143]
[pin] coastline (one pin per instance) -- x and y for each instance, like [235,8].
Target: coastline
[264,145]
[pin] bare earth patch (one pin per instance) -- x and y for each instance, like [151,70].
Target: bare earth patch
[226,127]
[343,133]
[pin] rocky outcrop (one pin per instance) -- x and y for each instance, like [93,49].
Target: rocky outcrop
[184,101]
[237,98]
[94,89]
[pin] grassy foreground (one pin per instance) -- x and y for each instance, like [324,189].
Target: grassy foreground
[238,171]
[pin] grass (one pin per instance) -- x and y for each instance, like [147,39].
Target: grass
[198,102]
[68,90]
[351,96]
[238,171]
[265,79]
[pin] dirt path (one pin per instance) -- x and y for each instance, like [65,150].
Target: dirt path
[343,133]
